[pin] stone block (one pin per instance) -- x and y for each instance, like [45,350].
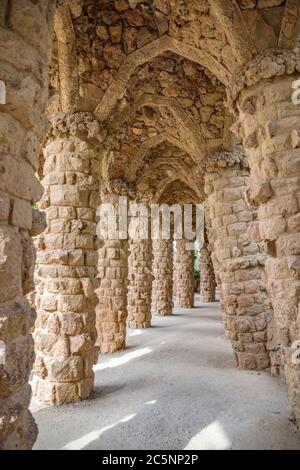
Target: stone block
[10,263]
[4,206]
[68,196]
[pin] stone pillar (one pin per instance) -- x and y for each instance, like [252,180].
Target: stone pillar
[162,268]
[111,311]
[175,275]
[269,123]
[23,98]
[238,261]
[140,283]
[65,331]
[207,274]
[184,268]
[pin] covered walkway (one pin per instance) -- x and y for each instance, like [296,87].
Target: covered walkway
[175,386]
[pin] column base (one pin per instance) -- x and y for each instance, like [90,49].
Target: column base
[185,305]
[134,324]
[162,313]
[109,348]
[249,361]
[59,393]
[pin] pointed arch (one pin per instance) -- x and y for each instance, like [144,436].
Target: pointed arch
[192,130]
[148,53]
[150,143]
[167,182]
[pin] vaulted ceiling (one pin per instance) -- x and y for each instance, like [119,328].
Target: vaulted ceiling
[155,73]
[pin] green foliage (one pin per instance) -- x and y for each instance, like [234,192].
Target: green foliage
[197,273]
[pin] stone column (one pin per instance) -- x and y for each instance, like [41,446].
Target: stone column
[269,123]
[23,98]
[184,268]
[207,274]
[111,311]
[238,261]
[162,268]
[175,275]
[65,331]
[140,283]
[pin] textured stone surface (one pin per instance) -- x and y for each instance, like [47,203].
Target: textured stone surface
[237,259]
[184,275]
[155,75]
[65,331]
[140,283]
[275,190]
[207,279]
[111,311]
[22,127]
[162,268]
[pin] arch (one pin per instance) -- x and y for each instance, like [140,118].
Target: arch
[150,143]
[167,182]
[229,15]
[288,25]
[177,166]
[195,135]
[181,171]
[19,222]
[147,53]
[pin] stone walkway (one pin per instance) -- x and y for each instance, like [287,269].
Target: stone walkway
[176,386]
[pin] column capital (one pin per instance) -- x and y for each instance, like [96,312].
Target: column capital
[80,124]
[226,159]
[120,187]
[268,64]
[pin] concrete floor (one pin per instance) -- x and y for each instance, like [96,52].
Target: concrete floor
[175,387]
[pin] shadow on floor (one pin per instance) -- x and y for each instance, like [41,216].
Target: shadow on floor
[175,386]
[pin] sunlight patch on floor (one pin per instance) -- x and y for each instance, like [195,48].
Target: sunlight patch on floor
[119,361]
[213,437]
[85,440]
[135,332]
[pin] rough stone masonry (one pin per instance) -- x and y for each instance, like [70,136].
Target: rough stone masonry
[169,102]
